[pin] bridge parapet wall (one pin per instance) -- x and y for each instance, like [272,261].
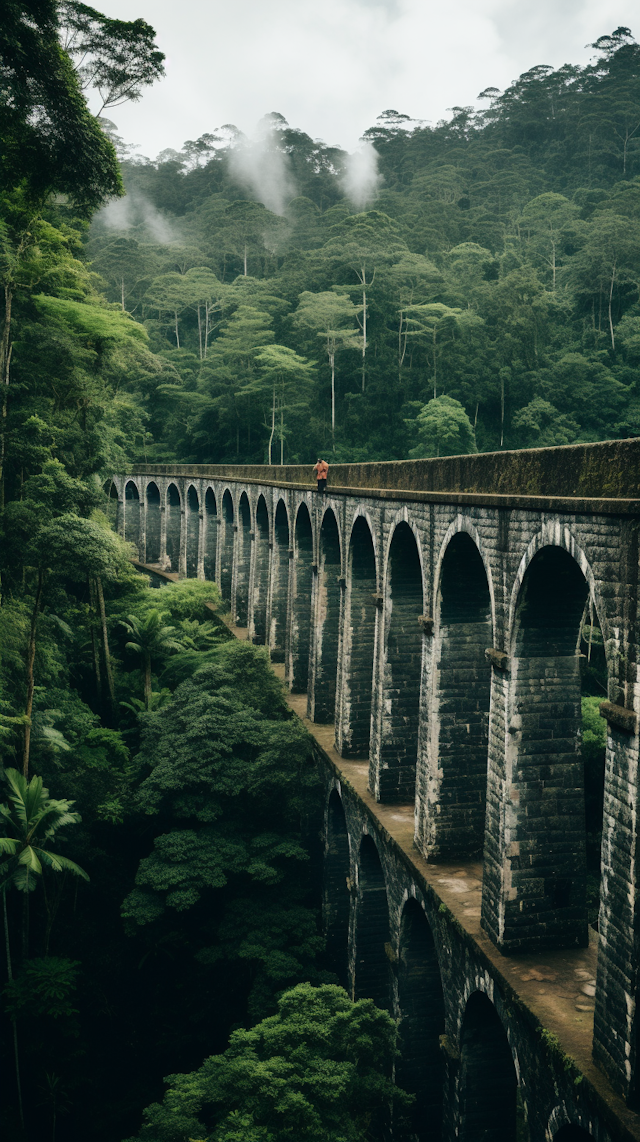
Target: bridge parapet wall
[383,611]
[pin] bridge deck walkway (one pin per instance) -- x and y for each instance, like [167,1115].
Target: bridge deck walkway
[557,988]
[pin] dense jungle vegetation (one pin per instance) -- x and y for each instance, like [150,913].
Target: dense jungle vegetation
[496,266]
[159,838]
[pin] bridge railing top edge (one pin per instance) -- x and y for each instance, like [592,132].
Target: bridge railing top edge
[571,505]
[604,470]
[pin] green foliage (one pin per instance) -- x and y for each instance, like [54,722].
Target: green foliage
[318,1069]
[51,141]
[229,781]
[43,986]
[443,429]
[29,821]
[497,269]
[189,599]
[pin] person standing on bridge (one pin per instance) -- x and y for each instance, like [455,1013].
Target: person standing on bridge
[321,469]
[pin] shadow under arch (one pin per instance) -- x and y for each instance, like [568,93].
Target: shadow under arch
[193,531]
[174,527]
[547,771]
[279,584]
[402,674]
[372,964]
[328,620]
[132,513]
[488,1110]
[152,495]
[210,521]
[243,561]
[572,1133]
[360,631]
[459,734]
[226,560]
[420,1068]
[301,601]
[260,573]
[336,895]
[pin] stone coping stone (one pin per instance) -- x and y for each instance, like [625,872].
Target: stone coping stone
[606,470]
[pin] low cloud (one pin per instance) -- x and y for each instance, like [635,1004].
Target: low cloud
[135,211]
[258,164]
[361,178]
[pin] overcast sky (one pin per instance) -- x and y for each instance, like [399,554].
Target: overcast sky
[331,66]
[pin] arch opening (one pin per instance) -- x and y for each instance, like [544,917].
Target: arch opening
[402,669]
[301,602]
[152,554]
[260,573]
[174,527]
[193,532]
[488,1083]
[328,621]
[336,890]
[113,504]
[462,677]
[243,561]
[361,631]
[548,773]
[279,585]
[132,514]
[420,1068]
[210,534]
[373,965]
[226,561]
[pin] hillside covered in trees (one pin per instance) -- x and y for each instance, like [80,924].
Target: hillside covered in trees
[246,299]
[492,259]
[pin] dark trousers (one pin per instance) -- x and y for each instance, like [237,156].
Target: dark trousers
[322,484]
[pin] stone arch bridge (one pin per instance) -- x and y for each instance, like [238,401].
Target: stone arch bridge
[433,621]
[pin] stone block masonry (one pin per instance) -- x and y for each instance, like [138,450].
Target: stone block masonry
[429,615]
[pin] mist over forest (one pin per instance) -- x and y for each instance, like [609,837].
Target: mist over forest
[472,285]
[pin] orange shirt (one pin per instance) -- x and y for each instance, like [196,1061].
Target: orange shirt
[321,468]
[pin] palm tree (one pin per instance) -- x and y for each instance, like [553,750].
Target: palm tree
[30,821]
[150,640]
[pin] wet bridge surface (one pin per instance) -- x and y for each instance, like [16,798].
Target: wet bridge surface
[436,624]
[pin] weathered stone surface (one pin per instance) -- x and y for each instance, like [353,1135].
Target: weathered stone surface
[423,570]
[626,720]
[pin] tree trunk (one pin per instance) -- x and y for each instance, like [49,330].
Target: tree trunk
[200,332]
[332,359]
[613,279]
[5,362]
[25,921]
[364,334]
[175,314]
[273,420]
[282,428]
[94,642]
[105,643]
[31,655]
[147,680]
[15,1029]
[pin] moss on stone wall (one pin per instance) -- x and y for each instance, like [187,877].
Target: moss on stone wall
[608,469]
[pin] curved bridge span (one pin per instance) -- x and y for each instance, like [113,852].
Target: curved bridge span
[430,619]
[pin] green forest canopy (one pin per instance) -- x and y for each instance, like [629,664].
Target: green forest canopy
[497,265]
